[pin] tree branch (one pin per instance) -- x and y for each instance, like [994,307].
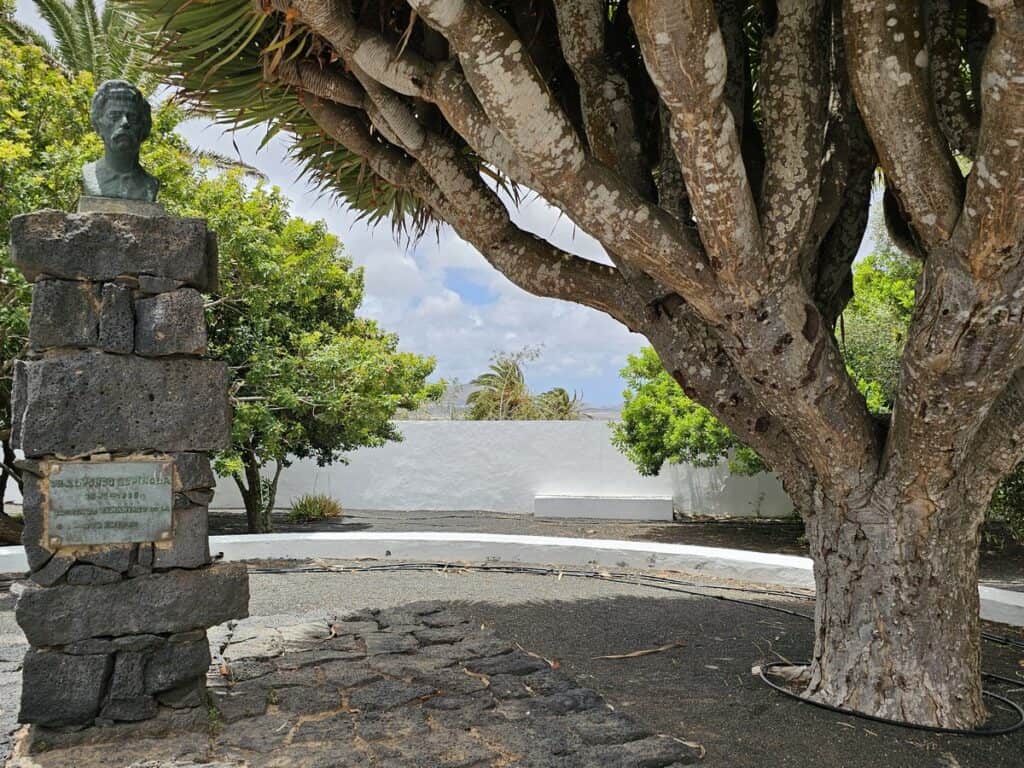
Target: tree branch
[523,110]
[686,58]
[604,93]
[794,103]
[997,446]
[326,82]
[531,263]
[888,61]
[993,217]
[957,118]
[844,196]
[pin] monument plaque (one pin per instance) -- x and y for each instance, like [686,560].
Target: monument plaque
[111,502]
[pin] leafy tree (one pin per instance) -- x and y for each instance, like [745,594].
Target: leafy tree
[556,404]
[43,143]
[502,394]
[723,154]
[661,424]
[309,377]
[873,326]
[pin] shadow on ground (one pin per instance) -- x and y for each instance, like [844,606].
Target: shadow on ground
[704,692]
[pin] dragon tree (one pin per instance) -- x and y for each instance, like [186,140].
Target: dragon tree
[724,153]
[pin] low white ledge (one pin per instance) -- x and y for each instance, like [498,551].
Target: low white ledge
[656,508]
[758,567]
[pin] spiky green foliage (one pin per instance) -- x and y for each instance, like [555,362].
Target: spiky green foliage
[109,43]
[214,52]
[314,506]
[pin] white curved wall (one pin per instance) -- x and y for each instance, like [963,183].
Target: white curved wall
[501,466]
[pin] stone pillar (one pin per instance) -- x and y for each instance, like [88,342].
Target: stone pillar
[117,411]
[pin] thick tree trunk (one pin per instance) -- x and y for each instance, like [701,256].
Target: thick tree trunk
[896,622]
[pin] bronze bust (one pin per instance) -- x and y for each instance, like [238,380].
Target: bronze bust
[122,117]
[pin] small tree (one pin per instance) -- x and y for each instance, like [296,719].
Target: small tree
[661,424]
[310,378]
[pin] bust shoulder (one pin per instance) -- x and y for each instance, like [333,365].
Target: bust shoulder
[90,181]
[152,186]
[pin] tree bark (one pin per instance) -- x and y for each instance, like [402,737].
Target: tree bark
[257,511]
[896,618]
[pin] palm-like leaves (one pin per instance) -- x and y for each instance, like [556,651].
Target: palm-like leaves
[110,44]
[503,395]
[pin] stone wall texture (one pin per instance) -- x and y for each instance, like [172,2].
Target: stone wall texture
[116,373]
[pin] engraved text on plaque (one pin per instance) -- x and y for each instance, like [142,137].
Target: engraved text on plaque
[111,502]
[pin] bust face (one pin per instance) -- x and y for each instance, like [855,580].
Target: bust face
[121,124]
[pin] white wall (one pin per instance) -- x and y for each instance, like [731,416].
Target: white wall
[501,465]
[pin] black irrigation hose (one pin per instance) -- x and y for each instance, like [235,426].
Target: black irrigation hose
[1001,731]
[667,584]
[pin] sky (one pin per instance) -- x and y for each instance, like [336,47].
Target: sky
[439,295]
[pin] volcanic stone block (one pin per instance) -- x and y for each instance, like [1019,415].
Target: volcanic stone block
[177,663]
[192,471]
[65,313]
[126,696]
[117,320]
[93,402]
[33,500]
[170,324]
[190,694]
[83,574]
[116,557]
[175,601]
[128,680]
[102,246]
[60,689]
[190,545]
[153,284]
[130,710]
[53,571]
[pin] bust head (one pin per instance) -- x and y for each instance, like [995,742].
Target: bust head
[121,116]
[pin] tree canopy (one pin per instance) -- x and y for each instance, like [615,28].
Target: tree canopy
[309,377]
[107,42]
[660,424]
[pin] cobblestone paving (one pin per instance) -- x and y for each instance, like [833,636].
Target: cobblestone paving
[413,687]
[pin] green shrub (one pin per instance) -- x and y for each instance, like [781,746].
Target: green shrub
[313,506]
[1007,507]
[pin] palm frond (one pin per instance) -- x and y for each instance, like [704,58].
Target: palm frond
[22,34]
[93,56]
[59,18]
[223,162]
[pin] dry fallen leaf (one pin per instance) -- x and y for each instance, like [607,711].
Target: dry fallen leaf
[692,744]
[644,652]
[553,663]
